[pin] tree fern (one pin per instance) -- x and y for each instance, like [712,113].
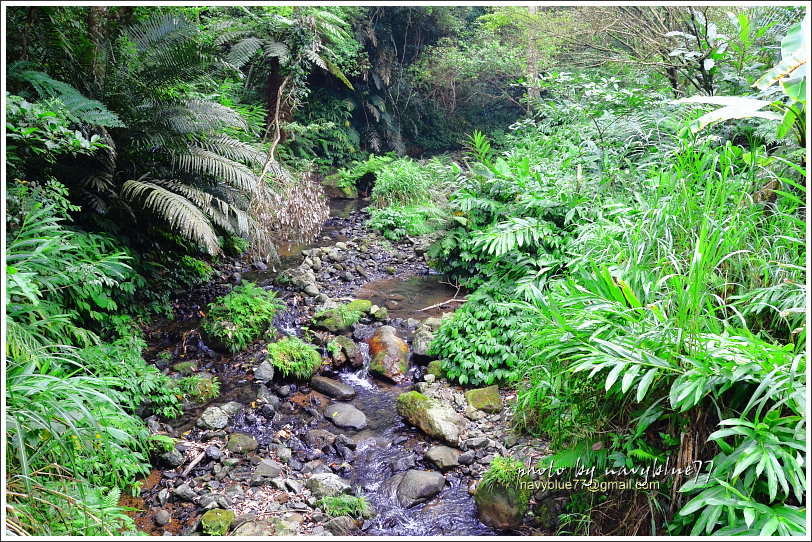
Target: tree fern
[81,108]
[178,212]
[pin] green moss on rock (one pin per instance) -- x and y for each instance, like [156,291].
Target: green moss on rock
[436,368]
[216,522]
[486,399]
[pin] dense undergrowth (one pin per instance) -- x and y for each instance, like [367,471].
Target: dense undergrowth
[642,283]
[636,265]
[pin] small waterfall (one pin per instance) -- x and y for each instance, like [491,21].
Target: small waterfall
[360,377]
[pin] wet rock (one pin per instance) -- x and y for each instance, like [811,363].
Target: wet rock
[268,468]
[213,418]
[283,454]
[341,526]
[475,443]
[429,378]
[501,507]
[443,457]
[434,418]
[346,416]
[283,391]
[241,443]
[327,485]
[389,354]
[232,408]
[333,388]
[319,438]
[421,340]
[264,373]
[163,496]
[184,493]
[418,486]
[345,441]
[216,522]
[267,411]
[485,399]
[433,324]
[172,458]
[350,350]
[297,277]
[311,289]
[435,368]
[161,518]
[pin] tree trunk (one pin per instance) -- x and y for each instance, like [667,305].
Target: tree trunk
[95,26]
[533,91]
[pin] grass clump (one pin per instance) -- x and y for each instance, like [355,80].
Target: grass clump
[294,357]
[338,319]
[508,473]
[240,317]
[346,505]
[199,389]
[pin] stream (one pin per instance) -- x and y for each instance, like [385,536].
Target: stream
[285,419]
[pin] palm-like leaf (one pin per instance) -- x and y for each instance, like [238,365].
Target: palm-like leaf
[179,213]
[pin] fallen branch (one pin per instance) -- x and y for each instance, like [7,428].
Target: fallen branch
[194,463]
[446,302]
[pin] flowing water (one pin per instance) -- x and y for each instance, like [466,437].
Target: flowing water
[387,446]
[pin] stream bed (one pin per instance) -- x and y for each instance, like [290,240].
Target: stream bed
[284,422]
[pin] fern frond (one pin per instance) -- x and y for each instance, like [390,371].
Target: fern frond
[233,149]
[276,49]
[512,234]
[243,50]
[220,212]
[202,161]
[179,213]
[81,108]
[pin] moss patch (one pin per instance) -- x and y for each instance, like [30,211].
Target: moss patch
[216,522]
[486,399]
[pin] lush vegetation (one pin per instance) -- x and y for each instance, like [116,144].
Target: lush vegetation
[238,318]
[355,506]
[294,357]
[624,197]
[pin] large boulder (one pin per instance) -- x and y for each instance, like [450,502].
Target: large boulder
[501,507]
[333,388]
[443,457]
[327,484]
[434,418]
[213,418]
[417,486]
[389,354]
[486,399]
[346,416]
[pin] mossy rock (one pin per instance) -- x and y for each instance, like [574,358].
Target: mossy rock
[349,347]
[435,368]
[485,399]
[185,367]
[360,305]
[216,522]
[334,188]
[501,507]
[335,321]
[432,417]
[241,442]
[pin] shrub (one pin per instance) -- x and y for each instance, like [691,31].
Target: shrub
[482,342]
[403,182]
[294,357]
[199,389]
[346,505]
[396,221]
[240,317]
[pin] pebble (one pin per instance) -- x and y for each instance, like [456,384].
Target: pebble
[161,518]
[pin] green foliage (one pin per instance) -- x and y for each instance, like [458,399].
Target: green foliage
[349,177]
[241,316]
[509,473]
[355,506]
[403,182]
[294,357]
[482,342]
[396,221]
[160,444]
[199,389]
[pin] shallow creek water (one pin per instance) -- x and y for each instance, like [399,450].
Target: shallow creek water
[388,445]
